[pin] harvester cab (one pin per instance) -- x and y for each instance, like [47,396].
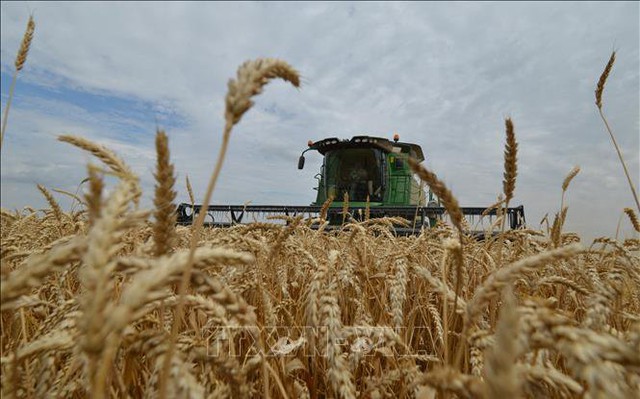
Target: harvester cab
[367,169]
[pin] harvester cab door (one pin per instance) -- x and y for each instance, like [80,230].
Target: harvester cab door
[355,171]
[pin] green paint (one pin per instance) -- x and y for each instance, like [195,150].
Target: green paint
[382,174]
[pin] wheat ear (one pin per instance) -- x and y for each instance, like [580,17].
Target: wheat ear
[603,79]
[25,45]
[37,268]
[94,196]
[21,58]
[440,189]
[633,218]
[252,76]
[340,378]
[556,228]
[510,162]
[165,215]
[57,211]
[147,286]
[104,154]
[506,275]
[190,192]
[567,180]
[325,208]
[599,90]
[398,293]
[345,206]
[510,173]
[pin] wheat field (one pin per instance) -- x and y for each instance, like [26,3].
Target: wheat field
[88,304]
[113,300]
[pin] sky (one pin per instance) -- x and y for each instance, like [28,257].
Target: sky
[443,75]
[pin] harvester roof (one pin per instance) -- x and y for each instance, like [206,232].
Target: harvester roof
[333,143]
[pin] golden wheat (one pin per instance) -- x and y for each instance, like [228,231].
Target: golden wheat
[192,198]
[633,218]
[510,162]
[21,58]
[94,196]
[57,211]
[603,79]
[380,295]
[165,215]
[599,90]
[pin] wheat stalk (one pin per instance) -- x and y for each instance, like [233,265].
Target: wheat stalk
[451,205]
[599,90]
[21,58]
[71,195]
[502,379]
[252,76]
[57,211]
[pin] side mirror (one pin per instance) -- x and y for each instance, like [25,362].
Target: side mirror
[301,162]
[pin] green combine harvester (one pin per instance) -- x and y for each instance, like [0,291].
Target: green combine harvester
[365,175]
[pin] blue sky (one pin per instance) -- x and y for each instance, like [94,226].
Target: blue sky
[443,75]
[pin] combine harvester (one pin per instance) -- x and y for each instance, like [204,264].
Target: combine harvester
[373,175]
